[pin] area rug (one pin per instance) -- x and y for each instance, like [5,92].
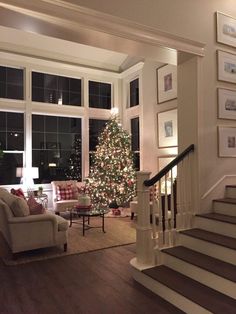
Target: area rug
[118,232]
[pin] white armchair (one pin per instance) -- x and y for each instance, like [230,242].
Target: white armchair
[30,232]
[64,205]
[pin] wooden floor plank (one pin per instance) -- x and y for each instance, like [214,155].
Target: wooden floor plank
[97,282]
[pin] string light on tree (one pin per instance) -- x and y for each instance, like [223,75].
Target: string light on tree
[112,176]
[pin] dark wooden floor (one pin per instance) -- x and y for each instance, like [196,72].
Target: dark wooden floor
[96,282]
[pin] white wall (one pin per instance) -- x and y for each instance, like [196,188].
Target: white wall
[194,20]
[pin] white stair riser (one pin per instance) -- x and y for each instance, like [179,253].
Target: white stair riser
[215,226]
[225,254]
[203,276]
[224,208]
[230,192]
[168,294]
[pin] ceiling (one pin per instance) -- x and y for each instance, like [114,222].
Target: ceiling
[32,44]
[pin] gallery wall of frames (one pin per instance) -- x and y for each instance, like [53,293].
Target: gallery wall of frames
[226,76]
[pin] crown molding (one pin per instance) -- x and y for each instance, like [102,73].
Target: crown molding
[72,16]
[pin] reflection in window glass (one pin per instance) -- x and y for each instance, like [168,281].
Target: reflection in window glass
[95,129]
[53,146]
[56,89]
[8,164]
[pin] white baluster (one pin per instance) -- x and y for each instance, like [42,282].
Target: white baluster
[160,233]
[166,234]
[179,216]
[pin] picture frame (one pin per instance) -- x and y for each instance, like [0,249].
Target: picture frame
[226,104]
[227,141]
[226,29]
[167,128]
[226,66]
[166,83]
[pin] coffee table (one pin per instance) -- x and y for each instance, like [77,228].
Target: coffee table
[86,215]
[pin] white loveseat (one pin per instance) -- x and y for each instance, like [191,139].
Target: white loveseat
[28,232]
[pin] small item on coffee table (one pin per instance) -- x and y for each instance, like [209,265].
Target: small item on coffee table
[83,207]
[84,200]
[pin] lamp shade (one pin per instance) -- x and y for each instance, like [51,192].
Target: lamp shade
[35,172]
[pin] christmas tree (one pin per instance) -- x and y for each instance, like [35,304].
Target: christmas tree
[112,178]
[74,170]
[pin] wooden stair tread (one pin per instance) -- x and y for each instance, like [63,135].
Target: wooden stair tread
[211,237]
[219,217]
[226,200]
[204,296]
[211,264]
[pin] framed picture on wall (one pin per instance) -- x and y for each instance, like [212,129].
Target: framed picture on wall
[226,104]
[227,141]
[166,83]
[167,128]
[226,29]
[226,66]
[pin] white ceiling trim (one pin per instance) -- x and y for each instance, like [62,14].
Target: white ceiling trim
[72,16]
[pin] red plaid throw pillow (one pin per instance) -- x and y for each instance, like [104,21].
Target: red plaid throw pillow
[64,193]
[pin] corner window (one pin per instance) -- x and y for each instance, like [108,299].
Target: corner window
[135,146]
[134,93]
[55,89]
[56,147]
[11,83]
[99,95]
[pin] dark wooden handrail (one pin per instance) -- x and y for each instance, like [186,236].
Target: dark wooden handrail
[167,168]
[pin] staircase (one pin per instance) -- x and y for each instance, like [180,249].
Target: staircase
[199,274]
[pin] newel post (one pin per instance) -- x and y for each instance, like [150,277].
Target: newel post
[145,251]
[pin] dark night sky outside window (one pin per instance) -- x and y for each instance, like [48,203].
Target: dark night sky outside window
[56,89]
[52,145]
[11,139]
[134,93]
[135,141]
[11,83]
[99,95]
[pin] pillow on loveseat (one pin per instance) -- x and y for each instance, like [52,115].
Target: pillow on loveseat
[20,207]
[18,192]
[34,207]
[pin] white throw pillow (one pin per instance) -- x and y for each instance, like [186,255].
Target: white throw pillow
[20,207]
